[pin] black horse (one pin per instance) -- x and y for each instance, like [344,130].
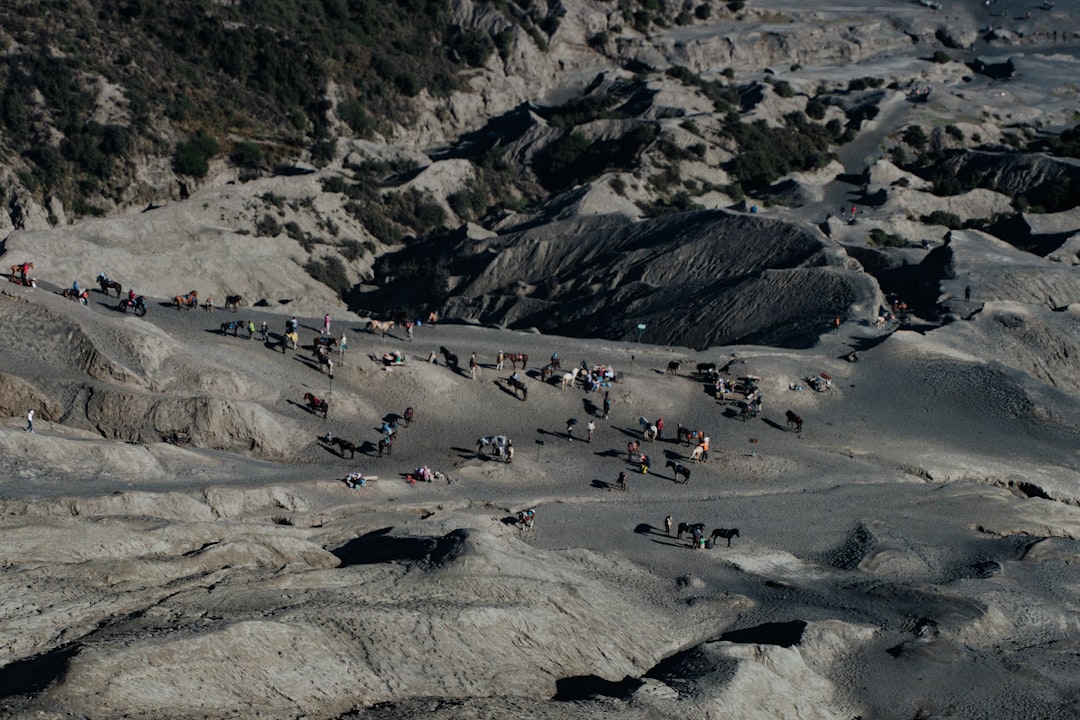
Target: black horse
[726,533]
[138,305]
[233,325]
[449,358]
[107,285]
[343,445]
[679,469]
[689,528]
[232,302]
[518,385]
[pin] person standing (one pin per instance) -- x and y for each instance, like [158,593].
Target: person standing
[500,360]
[570,429]
[342,347]
[408,330]
[607,405]
[474,366]
[659,428]
[667,524]
[326,324]
[589,429]
[265,330]
[836,325]
[967,293]
[251,329]
[30,421]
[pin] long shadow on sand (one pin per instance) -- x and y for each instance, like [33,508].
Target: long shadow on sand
[774,424]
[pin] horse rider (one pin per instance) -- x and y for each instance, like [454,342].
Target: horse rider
[514,377]
[131,294]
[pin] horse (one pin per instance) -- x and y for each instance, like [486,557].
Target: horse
[187,301]
[326,364]
[569,378]
[107,285]
[793,421]
[322,344]
[518,384]
[450,358]
[648,430]
[317,404]
[706,368]
[679,469]
[687,435]
[673,368]
[233,325]
[698,453]
[289,339]
[726,533]
[386,444]
[515,358]
[548,371]
[689,528]
[17,269]
[232,301]
[138,305]
[433,318]
[384,325]
[408,416]
[622,481]
[82,296]
[343,445]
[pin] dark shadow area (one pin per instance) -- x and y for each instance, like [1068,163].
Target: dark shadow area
[602,485]
[784,634]
[590,407]
[582,687]
[773,424]
[379,547]
[34,674]
[645,529]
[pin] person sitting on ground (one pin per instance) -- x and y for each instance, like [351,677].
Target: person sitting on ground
[644,462]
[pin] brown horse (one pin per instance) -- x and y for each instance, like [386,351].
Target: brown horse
[515,358]
[317,405]
[343,445]
[107,285]
[187,301]
[794,421]
[17,269]
[386,445]
[233,302]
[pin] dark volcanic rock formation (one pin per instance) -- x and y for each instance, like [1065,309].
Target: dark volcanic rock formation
[696,279]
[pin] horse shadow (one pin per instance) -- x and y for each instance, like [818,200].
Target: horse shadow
[634,433]
[731,413]
[509,520]
[602,485]
[391,418]
[367,448]
[466,454]
[671,542]
[647,529]
[611,453]
[673,455]
[774,424]
[499,383]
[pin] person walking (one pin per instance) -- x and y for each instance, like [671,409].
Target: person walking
[967,293]
[667,524]
[570,429]
[589,429]
[836,325]
[251,329]
[342,347]
[474,366]
[607,405]
[30,421]
[326,324]
[264,329]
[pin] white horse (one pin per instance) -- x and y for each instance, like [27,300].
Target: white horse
[569,378]
[648,429]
